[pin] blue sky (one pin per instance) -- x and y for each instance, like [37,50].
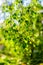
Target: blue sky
[41,2]
[26,2]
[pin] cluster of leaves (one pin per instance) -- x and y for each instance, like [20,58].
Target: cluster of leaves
[21,40]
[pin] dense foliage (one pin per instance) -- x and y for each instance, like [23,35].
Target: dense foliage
[21,38]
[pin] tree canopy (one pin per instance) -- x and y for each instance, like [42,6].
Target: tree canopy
[21,34]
